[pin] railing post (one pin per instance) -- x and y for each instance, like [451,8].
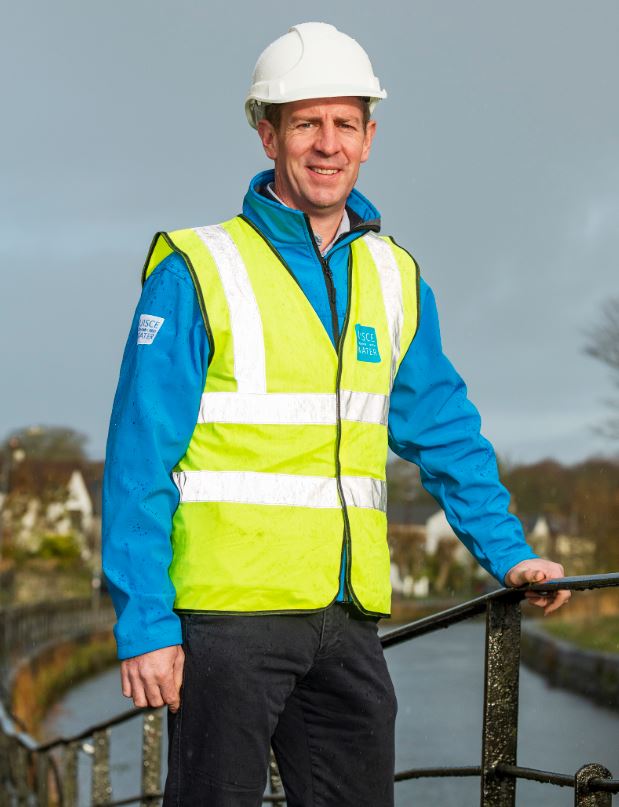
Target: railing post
[275,780]
[151,755]
[21,777]
[69,780]
[42,778]
[5,769]
[500,731]
[583,796]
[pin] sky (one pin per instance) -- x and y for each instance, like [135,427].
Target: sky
[496,163]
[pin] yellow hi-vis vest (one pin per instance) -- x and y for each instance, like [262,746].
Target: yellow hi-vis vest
[286,465]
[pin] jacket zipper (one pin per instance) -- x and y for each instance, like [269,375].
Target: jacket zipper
[339,344]
[328,276]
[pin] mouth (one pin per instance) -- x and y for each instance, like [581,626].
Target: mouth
[327,172]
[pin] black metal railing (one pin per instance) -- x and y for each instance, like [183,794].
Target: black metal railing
[25,629]
[499,770]
[47,774]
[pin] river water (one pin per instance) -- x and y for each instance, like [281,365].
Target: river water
[439,683]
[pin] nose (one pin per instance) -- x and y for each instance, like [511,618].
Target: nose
[327,142]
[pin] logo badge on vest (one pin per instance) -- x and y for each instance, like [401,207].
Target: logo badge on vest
[367,344]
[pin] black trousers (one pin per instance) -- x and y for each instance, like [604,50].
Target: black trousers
[315,686]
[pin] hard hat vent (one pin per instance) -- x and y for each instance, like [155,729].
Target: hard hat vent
[279,58]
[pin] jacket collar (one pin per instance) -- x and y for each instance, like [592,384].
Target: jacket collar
[287,227]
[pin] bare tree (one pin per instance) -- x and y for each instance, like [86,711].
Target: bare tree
[603,344]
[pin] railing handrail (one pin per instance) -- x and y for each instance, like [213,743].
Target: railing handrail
[498,605]
[476,606]
[31,744]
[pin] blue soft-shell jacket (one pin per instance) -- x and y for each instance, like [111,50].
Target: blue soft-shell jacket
[431,423]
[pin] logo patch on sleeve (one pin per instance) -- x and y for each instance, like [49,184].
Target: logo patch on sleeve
[148,328]
[367,344]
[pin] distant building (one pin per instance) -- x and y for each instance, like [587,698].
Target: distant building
[407,538]
[54,498]
[426,555]
[439,531]
[558,537]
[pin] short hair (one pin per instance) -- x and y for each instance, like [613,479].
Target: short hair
[273,113]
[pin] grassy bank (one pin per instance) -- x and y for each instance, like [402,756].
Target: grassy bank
[42,680]
[600,634]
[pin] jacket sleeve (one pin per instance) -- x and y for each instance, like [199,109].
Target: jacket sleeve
[433,424]
[153,417]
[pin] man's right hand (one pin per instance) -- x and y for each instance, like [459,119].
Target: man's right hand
[155,678]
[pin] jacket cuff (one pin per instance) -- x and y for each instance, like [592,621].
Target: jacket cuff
[145,644]
[503,569]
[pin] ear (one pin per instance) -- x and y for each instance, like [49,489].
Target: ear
[268,136]
[370,131]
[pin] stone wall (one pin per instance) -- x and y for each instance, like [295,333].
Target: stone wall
[587,672]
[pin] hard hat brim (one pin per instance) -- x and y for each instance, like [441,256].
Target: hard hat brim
[257,101]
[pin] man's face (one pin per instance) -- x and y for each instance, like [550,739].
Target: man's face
[318,148]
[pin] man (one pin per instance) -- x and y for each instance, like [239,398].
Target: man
[271,361]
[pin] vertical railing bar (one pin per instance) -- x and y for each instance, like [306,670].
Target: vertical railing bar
[56,795]
[42,778]
[275,779]
[20,758]
[151,754]
[70,787]
[5,770]
[101,783]
[500,728]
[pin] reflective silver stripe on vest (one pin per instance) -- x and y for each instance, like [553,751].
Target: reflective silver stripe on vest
[365,407]
[283,408]
[286,490]
[391,285]
[359,490]
[245,320]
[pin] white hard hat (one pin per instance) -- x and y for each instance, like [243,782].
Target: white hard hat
[313,60]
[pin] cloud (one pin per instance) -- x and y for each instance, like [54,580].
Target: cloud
[600,220]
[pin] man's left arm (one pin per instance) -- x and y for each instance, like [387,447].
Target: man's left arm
[433,424]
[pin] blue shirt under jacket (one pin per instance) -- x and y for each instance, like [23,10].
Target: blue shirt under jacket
[431,423]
